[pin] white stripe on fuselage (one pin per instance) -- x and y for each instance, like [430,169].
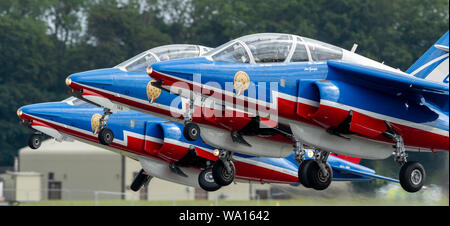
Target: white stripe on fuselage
[161,106]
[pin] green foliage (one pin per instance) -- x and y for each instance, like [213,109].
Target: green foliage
[44,41]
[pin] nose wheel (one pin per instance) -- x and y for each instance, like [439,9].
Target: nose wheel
[191,131]
[105,136]
[206,180]
[35,141]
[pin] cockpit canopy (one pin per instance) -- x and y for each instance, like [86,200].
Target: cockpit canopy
[77,102]
[273,48]
[168,52]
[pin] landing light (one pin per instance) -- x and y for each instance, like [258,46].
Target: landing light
[68,81]
[216,152]
[149,70]
[19,112]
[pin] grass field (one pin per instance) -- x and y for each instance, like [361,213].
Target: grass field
[292,202]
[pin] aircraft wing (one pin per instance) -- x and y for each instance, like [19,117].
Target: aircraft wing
[365,174]
[425,92]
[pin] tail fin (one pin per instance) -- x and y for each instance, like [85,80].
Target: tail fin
[433,65]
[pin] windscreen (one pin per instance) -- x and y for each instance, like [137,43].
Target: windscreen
[267,48]
[235,53]
[140,62]
[321,51]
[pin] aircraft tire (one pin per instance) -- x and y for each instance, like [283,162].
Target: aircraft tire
[139,181]
[106,136]
[302,173]
[316,178]
[412,176]
[220,174]
[206,180]
[191,131]
[35,141]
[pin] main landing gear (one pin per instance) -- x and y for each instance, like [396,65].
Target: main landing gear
[313,173]
[412,174]
[221,173]
[105,135]
[140,180]
[223,169]
[206,180]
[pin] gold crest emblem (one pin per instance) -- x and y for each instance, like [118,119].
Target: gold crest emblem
[152,92]
[241,82]
[95,122]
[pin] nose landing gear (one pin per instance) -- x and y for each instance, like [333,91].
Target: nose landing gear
[191,131]
[98,123]
[35,140]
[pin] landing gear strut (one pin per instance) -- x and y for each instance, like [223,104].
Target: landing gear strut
[412,174]
[191,131]
[105,135]
[223,170]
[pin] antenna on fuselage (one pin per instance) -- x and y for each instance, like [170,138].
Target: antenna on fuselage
[355,46]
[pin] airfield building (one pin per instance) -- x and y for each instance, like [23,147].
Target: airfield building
[79,171]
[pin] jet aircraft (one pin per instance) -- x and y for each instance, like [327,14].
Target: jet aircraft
[249,133]
[320,95]
[161,149]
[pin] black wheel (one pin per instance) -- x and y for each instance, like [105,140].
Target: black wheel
[302,173]
[317,178]
[220,174]
[106,136]
[206,180]
[412,176]
[34,141]
[191,131]
[139,181]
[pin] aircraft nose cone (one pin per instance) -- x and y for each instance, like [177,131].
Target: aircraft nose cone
[92,78]
[43,110]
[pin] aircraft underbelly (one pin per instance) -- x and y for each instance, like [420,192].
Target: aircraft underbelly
[161,170]
[259,147]
[355,146]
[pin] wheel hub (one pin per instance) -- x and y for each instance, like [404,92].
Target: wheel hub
[209,177]
[322,176]
[416,177]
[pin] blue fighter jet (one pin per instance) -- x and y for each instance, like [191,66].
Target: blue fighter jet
[161,149]
[320,95]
